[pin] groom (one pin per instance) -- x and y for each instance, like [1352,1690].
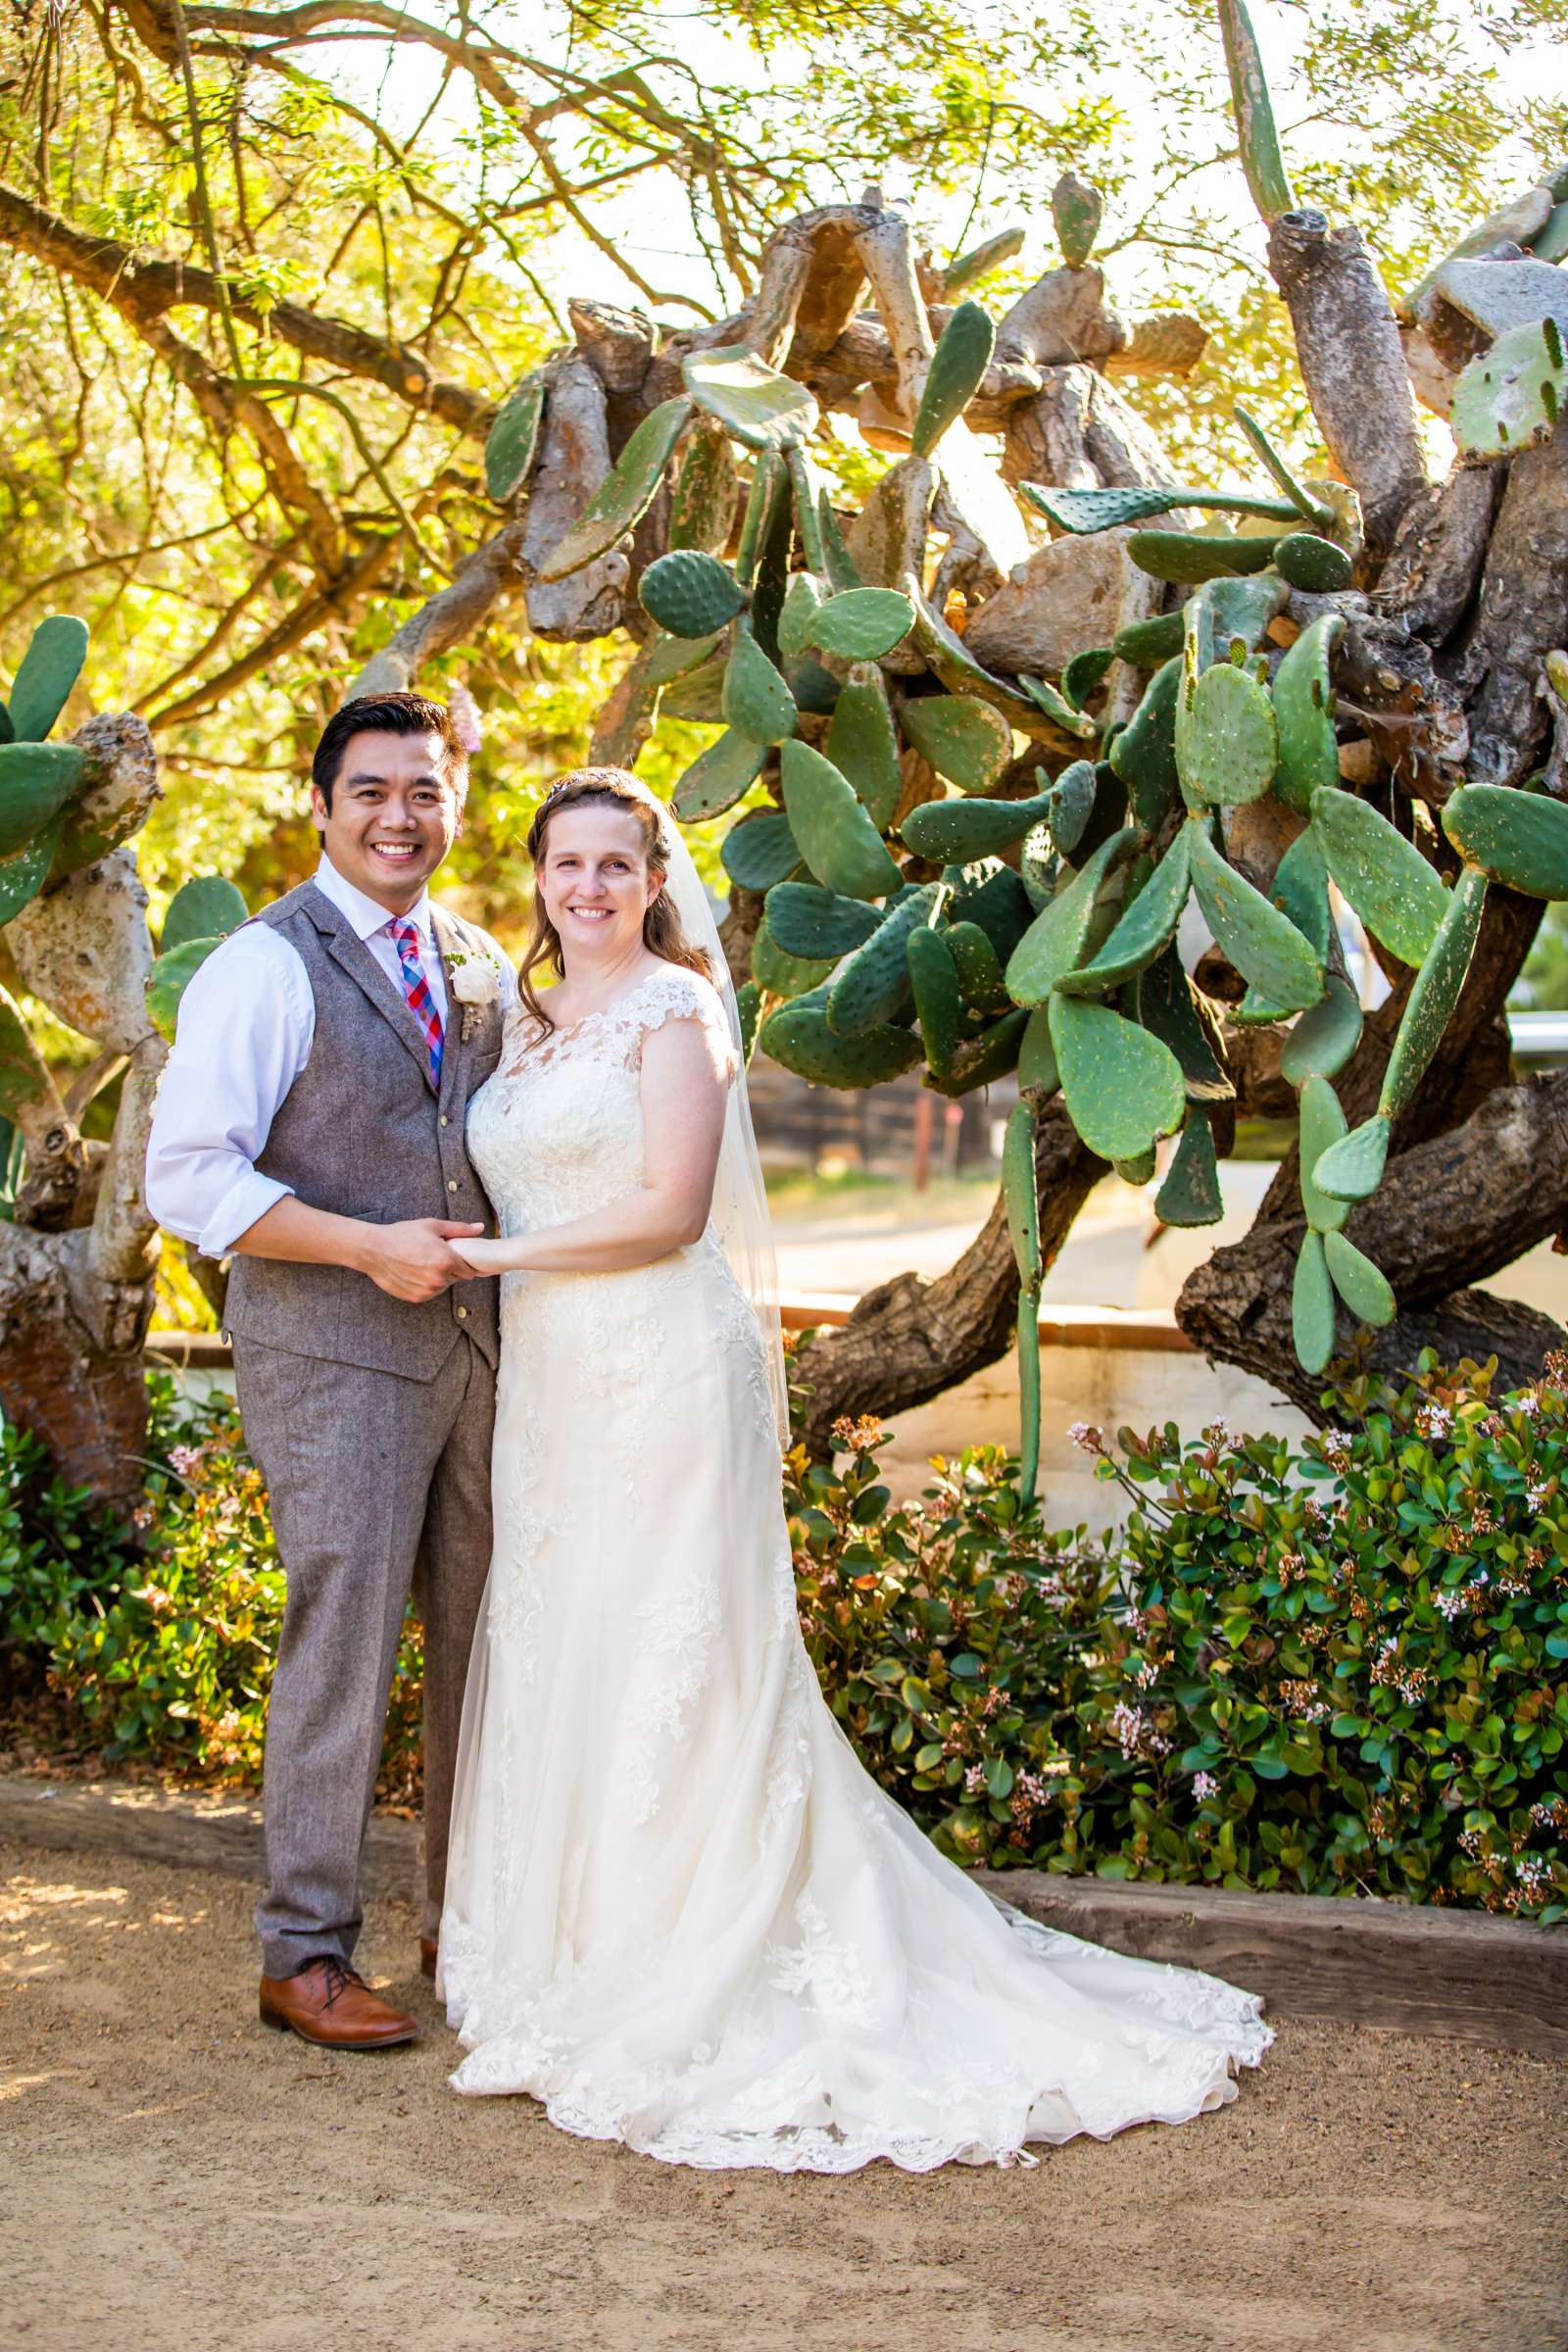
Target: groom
[310,1126]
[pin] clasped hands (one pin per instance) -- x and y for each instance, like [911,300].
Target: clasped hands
[419,1258]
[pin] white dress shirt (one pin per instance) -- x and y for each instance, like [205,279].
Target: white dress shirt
[246,1024]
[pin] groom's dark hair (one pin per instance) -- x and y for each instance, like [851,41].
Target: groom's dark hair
[388,714]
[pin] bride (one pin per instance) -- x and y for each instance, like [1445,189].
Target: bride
[678,1911]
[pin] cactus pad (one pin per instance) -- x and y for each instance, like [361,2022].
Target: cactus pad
[1021,1189]
[702,501]
[1187,557]
[514,438]
[951,832]
[1226,610]
[1147,642]
[761,851]
[1057,938]
[1387,880]
[978,966]
[1260,941]
[1227,747]
[719,777]
[1084,673]
[798,1037]
[751,400]
[957,365]
[749,1009]
[1123,1086]
[1310,561]
[1322,1126]
[757,702]
[838,840]
[779,974]
[983,1060]
[36,780]
[626,494]
[690,593]
[1256,136]
[873,987]
[1084,512]
[1360,1284]
[968,269]
[863,743]
[1144,754]
[1353,1169]
[1312,1306]
[966,741]
[808,920]
[1430,1005]
[938,1000]
[208,907]
[1057,708]
[1325,1036]
[25,871]
[1518,838]
[1512,394]
[993,897]
[801,600]
[1145,929]
[1070,803]
[1191,1193]
[45,675]
[1303,713]
[861,624]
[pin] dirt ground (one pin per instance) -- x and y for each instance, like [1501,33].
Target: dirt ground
[173,2176]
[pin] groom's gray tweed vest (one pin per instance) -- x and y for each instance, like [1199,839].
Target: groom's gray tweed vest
[362,1132]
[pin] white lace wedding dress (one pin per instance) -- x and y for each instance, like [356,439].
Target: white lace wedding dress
[678,1911]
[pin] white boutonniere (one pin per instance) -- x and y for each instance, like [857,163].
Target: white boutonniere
[474,983]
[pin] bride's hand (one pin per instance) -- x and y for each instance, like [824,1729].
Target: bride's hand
[484,1256]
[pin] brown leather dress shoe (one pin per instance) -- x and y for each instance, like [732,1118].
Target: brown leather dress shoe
[427,1954]
[329,2004]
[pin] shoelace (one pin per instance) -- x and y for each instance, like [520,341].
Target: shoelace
[338,1977]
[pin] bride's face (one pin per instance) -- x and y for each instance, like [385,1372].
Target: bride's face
[597,882]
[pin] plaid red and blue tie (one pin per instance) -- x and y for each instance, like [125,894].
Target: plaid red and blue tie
[416,988]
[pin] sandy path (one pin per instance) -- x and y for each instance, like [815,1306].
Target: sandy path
[171,2176]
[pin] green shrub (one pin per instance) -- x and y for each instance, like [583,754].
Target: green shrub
[1332,1672]
[160,1638]
[57,1550]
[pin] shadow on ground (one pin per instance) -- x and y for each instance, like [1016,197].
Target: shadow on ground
[169,2175]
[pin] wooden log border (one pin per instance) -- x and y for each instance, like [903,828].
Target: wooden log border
[1354,1960]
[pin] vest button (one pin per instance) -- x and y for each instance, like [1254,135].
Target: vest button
[445,1121]
[462,1314]
[452,1184]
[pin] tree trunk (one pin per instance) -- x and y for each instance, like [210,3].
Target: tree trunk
[76,1273]
[910,1338]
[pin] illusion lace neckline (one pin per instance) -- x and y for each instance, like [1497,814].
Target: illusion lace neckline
[599,1011]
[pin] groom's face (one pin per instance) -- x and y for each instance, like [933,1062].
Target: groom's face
[394,816]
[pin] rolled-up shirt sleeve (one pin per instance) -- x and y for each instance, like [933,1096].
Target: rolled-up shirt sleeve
[246,1022]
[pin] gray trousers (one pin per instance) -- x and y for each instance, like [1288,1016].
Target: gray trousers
[377,1485]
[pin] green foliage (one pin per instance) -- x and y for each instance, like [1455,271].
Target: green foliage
[158,1640]
[1336,1671]
[1333,1670]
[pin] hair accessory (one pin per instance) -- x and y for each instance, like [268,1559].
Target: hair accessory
[464,713]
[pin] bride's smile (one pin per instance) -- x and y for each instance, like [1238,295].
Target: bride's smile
[596,885]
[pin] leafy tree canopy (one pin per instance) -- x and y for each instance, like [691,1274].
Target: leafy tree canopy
[267,268]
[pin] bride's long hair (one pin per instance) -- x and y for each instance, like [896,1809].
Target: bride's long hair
[662,935]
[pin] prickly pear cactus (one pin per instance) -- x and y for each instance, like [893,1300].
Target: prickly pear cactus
[978,872]
[59,816]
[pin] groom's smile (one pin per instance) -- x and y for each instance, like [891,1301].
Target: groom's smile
[392,815]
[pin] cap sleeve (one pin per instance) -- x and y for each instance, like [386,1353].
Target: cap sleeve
[679,995]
